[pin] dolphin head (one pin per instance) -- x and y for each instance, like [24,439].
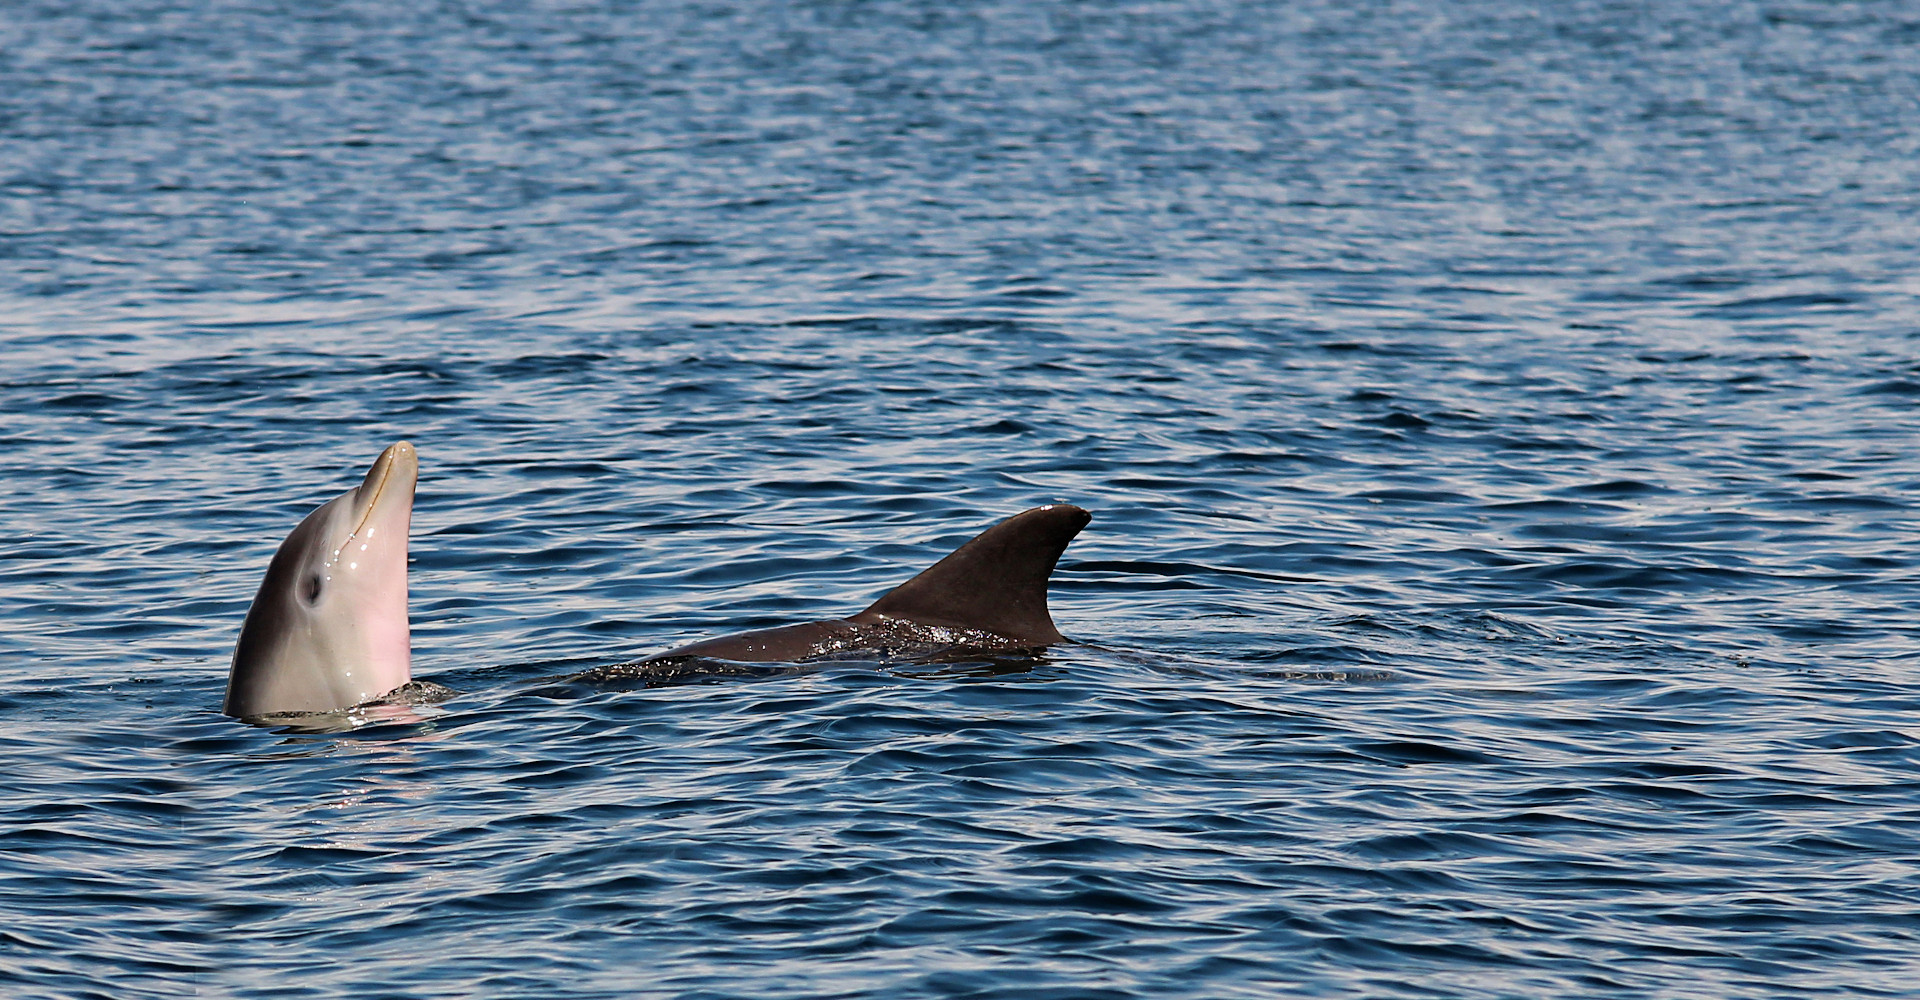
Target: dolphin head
[328,629]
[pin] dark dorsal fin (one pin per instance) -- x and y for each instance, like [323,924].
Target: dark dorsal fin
[997,582]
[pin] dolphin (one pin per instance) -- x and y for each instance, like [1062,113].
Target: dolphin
[328,629]
[988,596]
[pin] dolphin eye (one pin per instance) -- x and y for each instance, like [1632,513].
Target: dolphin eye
[310,589]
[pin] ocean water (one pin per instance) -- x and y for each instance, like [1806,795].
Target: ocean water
[1499,421]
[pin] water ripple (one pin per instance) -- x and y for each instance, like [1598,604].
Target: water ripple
[1495,420]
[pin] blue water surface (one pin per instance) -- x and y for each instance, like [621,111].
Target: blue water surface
[1499,421]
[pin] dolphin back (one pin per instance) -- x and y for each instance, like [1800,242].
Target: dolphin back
[987,595]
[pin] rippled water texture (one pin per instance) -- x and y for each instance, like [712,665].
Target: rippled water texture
[1498,418]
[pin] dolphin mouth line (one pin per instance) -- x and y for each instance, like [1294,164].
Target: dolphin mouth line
[379,490]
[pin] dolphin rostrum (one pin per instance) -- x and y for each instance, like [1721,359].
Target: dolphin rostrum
[987,596]
[328,629]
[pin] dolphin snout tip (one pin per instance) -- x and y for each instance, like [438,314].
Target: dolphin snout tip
[400,456]
[398,466]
